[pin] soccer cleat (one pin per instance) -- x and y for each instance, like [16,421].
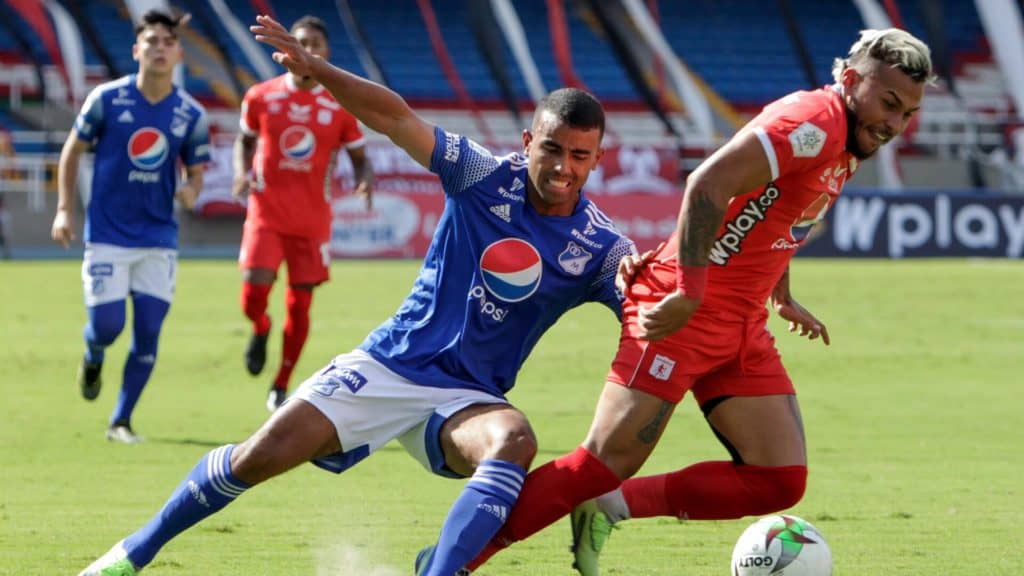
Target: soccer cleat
[89,381]
[256,353]
[122,432]
[275,398]
[590,530]
[114,563]
[421,562]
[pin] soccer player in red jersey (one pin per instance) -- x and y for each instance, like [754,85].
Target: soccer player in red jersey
[291,130]
[695,317]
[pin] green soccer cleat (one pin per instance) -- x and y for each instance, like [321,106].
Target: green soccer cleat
[114,563]
[590,530]
[422,560]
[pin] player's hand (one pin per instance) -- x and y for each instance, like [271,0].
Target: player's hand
[187,195]
[667,316]
[290,53]
[240,186]
[366,191]
[800,318]
[63,229]
[629,266]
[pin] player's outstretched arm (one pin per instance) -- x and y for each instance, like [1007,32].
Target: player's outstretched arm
[380,108]
[798,316]
[63,228]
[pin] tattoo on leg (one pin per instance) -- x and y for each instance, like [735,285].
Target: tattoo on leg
[649,433]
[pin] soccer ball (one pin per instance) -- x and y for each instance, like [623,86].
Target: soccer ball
[781,546]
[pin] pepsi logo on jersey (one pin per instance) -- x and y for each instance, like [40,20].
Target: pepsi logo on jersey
[297,145]
[511,269]
[147,150]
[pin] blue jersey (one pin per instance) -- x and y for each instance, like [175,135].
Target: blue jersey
[137,147]
[497,275]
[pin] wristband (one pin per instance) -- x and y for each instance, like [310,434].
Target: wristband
[691,280]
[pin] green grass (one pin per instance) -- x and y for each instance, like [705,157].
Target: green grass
[913,418]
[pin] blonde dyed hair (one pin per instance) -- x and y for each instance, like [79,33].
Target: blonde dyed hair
[892,46]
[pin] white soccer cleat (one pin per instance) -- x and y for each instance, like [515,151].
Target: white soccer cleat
[123,434]
[114,563]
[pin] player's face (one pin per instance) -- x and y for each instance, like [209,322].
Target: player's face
[313,41]
[560,157]
[881,100]
[157,50]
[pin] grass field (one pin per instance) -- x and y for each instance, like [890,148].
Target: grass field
[914,421]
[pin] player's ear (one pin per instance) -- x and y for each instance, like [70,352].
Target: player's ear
[850,77]
[135,52]
[527,138]
[597,159]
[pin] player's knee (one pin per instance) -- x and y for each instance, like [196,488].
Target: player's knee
[256,459]
[297,301]
[515,444]
[106,322]
[779,487]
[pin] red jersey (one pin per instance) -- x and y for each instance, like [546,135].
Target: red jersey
[804,137]
[298,133]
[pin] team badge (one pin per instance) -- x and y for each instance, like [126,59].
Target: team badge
[147,148]
[297,143]
[574,259]
[511,269]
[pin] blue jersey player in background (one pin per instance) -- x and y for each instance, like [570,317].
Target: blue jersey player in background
[518,245]
[139,127]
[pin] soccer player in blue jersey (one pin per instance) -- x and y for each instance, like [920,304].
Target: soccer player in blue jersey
[139,127]
[517,246]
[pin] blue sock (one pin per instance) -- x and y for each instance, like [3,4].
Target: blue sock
[209,487]
[149,314]
[105,323]
[476,516]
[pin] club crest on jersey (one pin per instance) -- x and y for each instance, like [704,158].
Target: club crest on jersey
[574,259]
[297,143]
[148,148]
[511,269]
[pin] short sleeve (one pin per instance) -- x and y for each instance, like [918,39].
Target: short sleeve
[798,131]
[89,123]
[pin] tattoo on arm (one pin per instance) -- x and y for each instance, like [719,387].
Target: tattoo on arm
[698,227]
[650,433]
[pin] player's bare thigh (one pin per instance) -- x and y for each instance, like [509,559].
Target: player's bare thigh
[296,433]
[764,430]
[626,428]
[487,431]
[260,276]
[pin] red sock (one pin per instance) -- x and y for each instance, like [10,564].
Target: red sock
[296,328]
[254,305]
[549,493]
[716,491]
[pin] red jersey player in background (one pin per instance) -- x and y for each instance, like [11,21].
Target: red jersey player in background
[291,130]
[695,318]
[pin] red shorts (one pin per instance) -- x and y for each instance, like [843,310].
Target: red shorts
[714,355]
[308,259]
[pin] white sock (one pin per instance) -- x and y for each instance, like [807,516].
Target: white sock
[614,506]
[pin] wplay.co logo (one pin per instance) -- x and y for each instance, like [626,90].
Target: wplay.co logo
[511,269]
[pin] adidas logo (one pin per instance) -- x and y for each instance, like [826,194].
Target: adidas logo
[517,185]
[501,512]
[589,229]
[197,493]
[503,211]
[126,116]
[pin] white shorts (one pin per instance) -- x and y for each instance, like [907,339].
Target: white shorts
[371,405]
[110,273]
